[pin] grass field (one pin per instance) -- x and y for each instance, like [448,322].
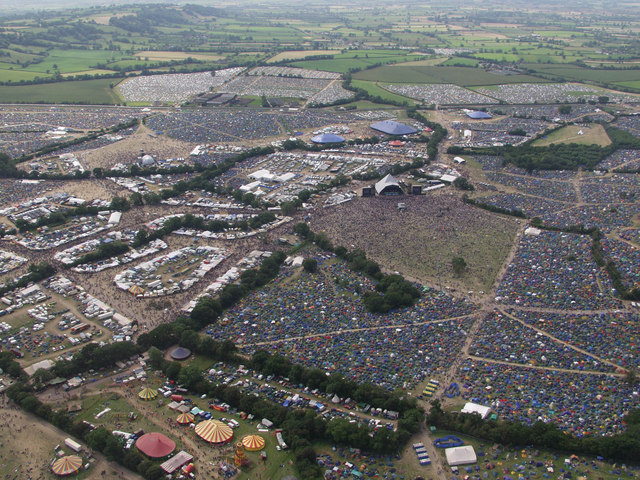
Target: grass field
[373,89]
[343,62]
[439,74]
[96,92]
[429,62]
[594,134]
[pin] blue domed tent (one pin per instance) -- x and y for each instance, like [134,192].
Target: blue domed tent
[391,127]
[180,353]
[327,138]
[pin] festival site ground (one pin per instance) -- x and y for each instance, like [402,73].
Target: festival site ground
[531,324]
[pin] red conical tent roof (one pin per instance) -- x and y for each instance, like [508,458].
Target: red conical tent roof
[155,445]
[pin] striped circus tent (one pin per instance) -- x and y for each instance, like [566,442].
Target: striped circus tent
[213,431]
[148,393]
[67,465]
[185,418]
[253,443]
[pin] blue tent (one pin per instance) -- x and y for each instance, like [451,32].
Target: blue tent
[478,115]
[327,138]
[391,127]
[180,353]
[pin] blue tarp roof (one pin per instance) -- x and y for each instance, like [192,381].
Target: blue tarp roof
[391,127]
[327,138]
[478,115]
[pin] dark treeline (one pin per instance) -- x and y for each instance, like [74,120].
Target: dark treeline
[94,357]
[438,134]
[392,291]
[105,250]
[59,217]
[189,220]
[493,208]
[622,291]
[36,273]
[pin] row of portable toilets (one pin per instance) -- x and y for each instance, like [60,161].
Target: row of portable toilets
[421,452]
[431,388]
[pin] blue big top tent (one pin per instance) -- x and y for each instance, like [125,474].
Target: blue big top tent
[391,127]
[478,115]
[327,138]
[180,353]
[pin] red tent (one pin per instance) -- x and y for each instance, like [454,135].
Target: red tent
[396,143]
[155,445]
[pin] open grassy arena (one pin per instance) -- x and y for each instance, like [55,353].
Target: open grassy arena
[422,241]
[584,135]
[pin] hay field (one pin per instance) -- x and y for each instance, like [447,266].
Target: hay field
[421,241]
[594,134]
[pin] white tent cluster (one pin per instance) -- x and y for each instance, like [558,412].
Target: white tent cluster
[231,275]
[144,280]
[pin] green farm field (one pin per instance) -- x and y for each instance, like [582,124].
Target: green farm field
[96,92]
[593,134]
[373,89]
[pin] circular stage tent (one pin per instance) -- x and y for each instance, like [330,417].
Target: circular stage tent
[253,443]
[180,353]
[155,445]
[67,465]
[391,127]
[327,138]
[148,393]
[185,418]
[213,431]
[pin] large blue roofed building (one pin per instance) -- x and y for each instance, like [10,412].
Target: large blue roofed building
[391,127]
[327,138]
[478,115]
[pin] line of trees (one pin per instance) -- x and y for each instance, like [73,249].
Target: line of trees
[105,250]
[494,208]
[59,217]
[392,291]
[36,272]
